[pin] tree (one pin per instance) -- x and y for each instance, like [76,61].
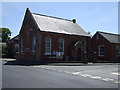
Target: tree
[5,33]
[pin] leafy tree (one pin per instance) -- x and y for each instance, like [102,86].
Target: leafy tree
[5,33]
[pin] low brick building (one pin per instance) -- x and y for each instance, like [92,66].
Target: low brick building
[52,39]
[12,47]
[105,47]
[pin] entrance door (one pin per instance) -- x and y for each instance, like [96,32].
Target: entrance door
[79,54]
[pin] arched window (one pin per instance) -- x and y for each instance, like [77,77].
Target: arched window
[61,45]
[21,45]
[117,50]
[34,43]
[47,45]
[16,47]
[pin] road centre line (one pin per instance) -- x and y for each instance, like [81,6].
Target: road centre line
[76,73]
[53,69]
[117,82]
[84,75]
[116,73]
[67,72]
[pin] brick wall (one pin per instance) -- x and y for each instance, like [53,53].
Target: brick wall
[110,49]
[69,41]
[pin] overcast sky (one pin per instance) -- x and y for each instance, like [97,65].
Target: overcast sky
[91,16]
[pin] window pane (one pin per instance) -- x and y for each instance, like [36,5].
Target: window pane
[61,41]
[117,50]
[21,45]
[34,43]
[61,45]
[47,45]
[47,50]
[101,50]
[60,49]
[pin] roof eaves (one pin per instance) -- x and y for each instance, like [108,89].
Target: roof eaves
[67,33]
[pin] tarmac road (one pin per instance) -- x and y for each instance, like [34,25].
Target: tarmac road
[44,76]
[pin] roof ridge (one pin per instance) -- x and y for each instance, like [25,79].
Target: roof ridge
[15,36]
[52,17]
[109,33]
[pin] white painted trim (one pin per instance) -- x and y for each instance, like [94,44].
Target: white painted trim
[47,53]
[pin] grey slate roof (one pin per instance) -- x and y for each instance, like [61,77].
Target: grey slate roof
[58,25]
[113,38]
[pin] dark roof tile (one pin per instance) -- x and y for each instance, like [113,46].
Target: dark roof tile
[113,38]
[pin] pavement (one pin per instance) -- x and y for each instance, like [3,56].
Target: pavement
[13,61]
[8,59]
[81,64]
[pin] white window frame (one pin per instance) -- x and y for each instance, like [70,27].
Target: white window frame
[63,45]
[34,42]
[47,53]
[100,50]
[117,50]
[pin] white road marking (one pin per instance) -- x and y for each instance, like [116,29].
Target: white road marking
[109,79]
[34,66]
[117,82]
[76,73]
[84,75]
[89,75]
[42,67]
[116,73]
[53,69]
[92,76]
[67,72]
[95,77]
[105,79]
[60,70]
[48,68]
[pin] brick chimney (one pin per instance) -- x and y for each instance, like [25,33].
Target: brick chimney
[74,20]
